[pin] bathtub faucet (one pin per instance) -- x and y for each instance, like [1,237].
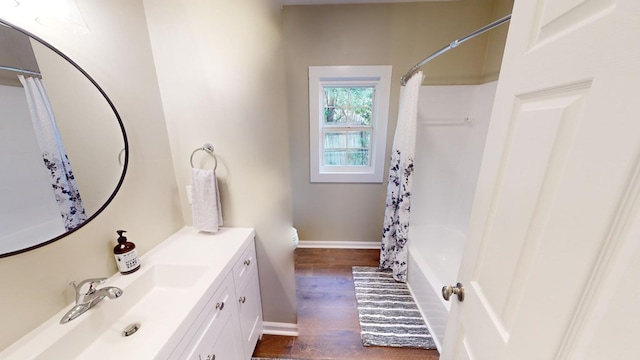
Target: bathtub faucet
[87,300]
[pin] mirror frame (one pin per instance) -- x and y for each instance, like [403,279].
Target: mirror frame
[124,138]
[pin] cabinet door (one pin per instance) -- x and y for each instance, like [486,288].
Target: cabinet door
[250,310]
[221,337]
[220,342]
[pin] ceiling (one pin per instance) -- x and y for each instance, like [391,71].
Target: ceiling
[325,2]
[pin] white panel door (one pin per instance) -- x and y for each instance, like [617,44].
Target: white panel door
[552,248]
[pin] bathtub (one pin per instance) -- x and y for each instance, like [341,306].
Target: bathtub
[434,258]
[452,128]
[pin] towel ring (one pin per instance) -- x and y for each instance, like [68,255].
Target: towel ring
[208,148]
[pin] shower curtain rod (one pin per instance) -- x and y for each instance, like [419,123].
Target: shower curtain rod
[453,44]
[19,70]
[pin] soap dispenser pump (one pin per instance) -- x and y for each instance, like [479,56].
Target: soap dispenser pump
[126,254]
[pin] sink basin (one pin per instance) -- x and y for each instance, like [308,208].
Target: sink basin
[173,297]
[98,333]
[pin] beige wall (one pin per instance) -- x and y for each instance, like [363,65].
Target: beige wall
[382,34]
[117,54]
[237,93]
[496,42]
[221,72]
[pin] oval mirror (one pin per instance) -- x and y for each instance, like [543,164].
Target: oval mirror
[63,147]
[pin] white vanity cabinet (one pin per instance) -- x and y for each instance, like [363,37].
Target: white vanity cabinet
[196,296]
[230,323]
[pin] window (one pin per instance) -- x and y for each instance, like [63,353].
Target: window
[348,110]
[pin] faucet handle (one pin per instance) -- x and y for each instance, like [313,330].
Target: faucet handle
[91,283]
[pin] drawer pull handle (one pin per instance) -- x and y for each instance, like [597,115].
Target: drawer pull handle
[220,305]
[247,262]
[242,299]
[209,357]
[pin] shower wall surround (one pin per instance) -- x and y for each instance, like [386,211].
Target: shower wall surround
[452,128]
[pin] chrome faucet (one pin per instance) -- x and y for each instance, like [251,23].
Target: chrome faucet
[92,296]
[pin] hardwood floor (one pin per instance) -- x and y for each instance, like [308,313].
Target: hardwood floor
[327,314]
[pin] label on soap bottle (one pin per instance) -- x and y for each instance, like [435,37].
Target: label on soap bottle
[127,261]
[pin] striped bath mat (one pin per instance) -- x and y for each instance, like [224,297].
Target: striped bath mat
[388,314]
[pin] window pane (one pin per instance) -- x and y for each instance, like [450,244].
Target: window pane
[347,148]
[348,105]
[358,157]
[346,158]
[361,96]
[362,116]
[335,157]
[335,115]
[359,139]
[335,140]
[329,96]
[336,96]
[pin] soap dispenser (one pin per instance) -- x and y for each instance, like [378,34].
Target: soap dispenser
[126,254]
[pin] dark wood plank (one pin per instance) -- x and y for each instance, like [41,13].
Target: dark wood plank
[327,314]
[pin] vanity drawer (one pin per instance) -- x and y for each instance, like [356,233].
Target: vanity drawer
[246,266]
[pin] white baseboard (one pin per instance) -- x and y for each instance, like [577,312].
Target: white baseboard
[278,328]
[314,244]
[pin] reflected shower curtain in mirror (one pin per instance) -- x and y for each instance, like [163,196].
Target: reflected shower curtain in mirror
[393,251]
[53,153]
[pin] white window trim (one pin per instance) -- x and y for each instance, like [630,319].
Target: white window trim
[378,76]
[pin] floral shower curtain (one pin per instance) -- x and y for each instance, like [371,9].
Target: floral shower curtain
[53,153]
[393,251]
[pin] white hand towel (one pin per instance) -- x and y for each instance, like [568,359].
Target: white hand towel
[205,207]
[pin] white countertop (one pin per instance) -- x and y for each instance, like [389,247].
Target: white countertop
[174,282]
